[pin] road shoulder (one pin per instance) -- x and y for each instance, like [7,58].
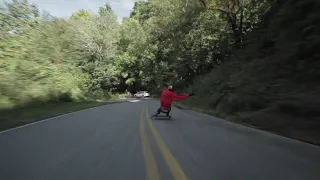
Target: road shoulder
[14,118]
[245,121]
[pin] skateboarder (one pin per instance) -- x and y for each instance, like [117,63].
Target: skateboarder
[167,98]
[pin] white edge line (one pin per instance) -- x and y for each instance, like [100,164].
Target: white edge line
[44,120]
[265,133]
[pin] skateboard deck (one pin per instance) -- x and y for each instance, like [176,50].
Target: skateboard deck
[161,116]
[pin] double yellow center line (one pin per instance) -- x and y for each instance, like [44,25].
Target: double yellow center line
[151,165]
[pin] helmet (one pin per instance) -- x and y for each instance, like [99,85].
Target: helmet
[170,87]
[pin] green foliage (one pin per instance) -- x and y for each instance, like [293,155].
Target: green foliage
[141,11]
[81,15]
[272,81]
[49,59]
[18,16]
[95,39]
[106,10]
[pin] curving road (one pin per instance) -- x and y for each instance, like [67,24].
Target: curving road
[119,142]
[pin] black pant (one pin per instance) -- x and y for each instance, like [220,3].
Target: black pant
[161,110]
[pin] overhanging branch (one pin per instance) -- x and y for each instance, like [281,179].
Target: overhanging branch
[217,9]
[203,2]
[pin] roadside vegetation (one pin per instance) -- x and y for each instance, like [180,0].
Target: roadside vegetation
[11,118]
[253,62]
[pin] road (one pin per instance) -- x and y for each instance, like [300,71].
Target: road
[119,142]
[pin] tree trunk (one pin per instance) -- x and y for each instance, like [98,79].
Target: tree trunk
[231,19]
[235,29]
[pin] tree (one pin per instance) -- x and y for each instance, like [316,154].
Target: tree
[141,11]
[18,16]
[131,44]
[236,12]
[81,14]
[106,10]
[96,36]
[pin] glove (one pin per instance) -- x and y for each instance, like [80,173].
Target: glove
[191,94]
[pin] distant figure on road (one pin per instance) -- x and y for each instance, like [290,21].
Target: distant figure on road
[167,98]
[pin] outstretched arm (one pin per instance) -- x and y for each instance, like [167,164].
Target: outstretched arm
[176,97]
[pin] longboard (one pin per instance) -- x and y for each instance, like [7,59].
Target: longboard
[169,117]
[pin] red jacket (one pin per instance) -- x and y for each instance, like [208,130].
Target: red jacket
[167,97]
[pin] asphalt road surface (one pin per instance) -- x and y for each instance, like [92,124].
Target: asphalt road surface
[119,142]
